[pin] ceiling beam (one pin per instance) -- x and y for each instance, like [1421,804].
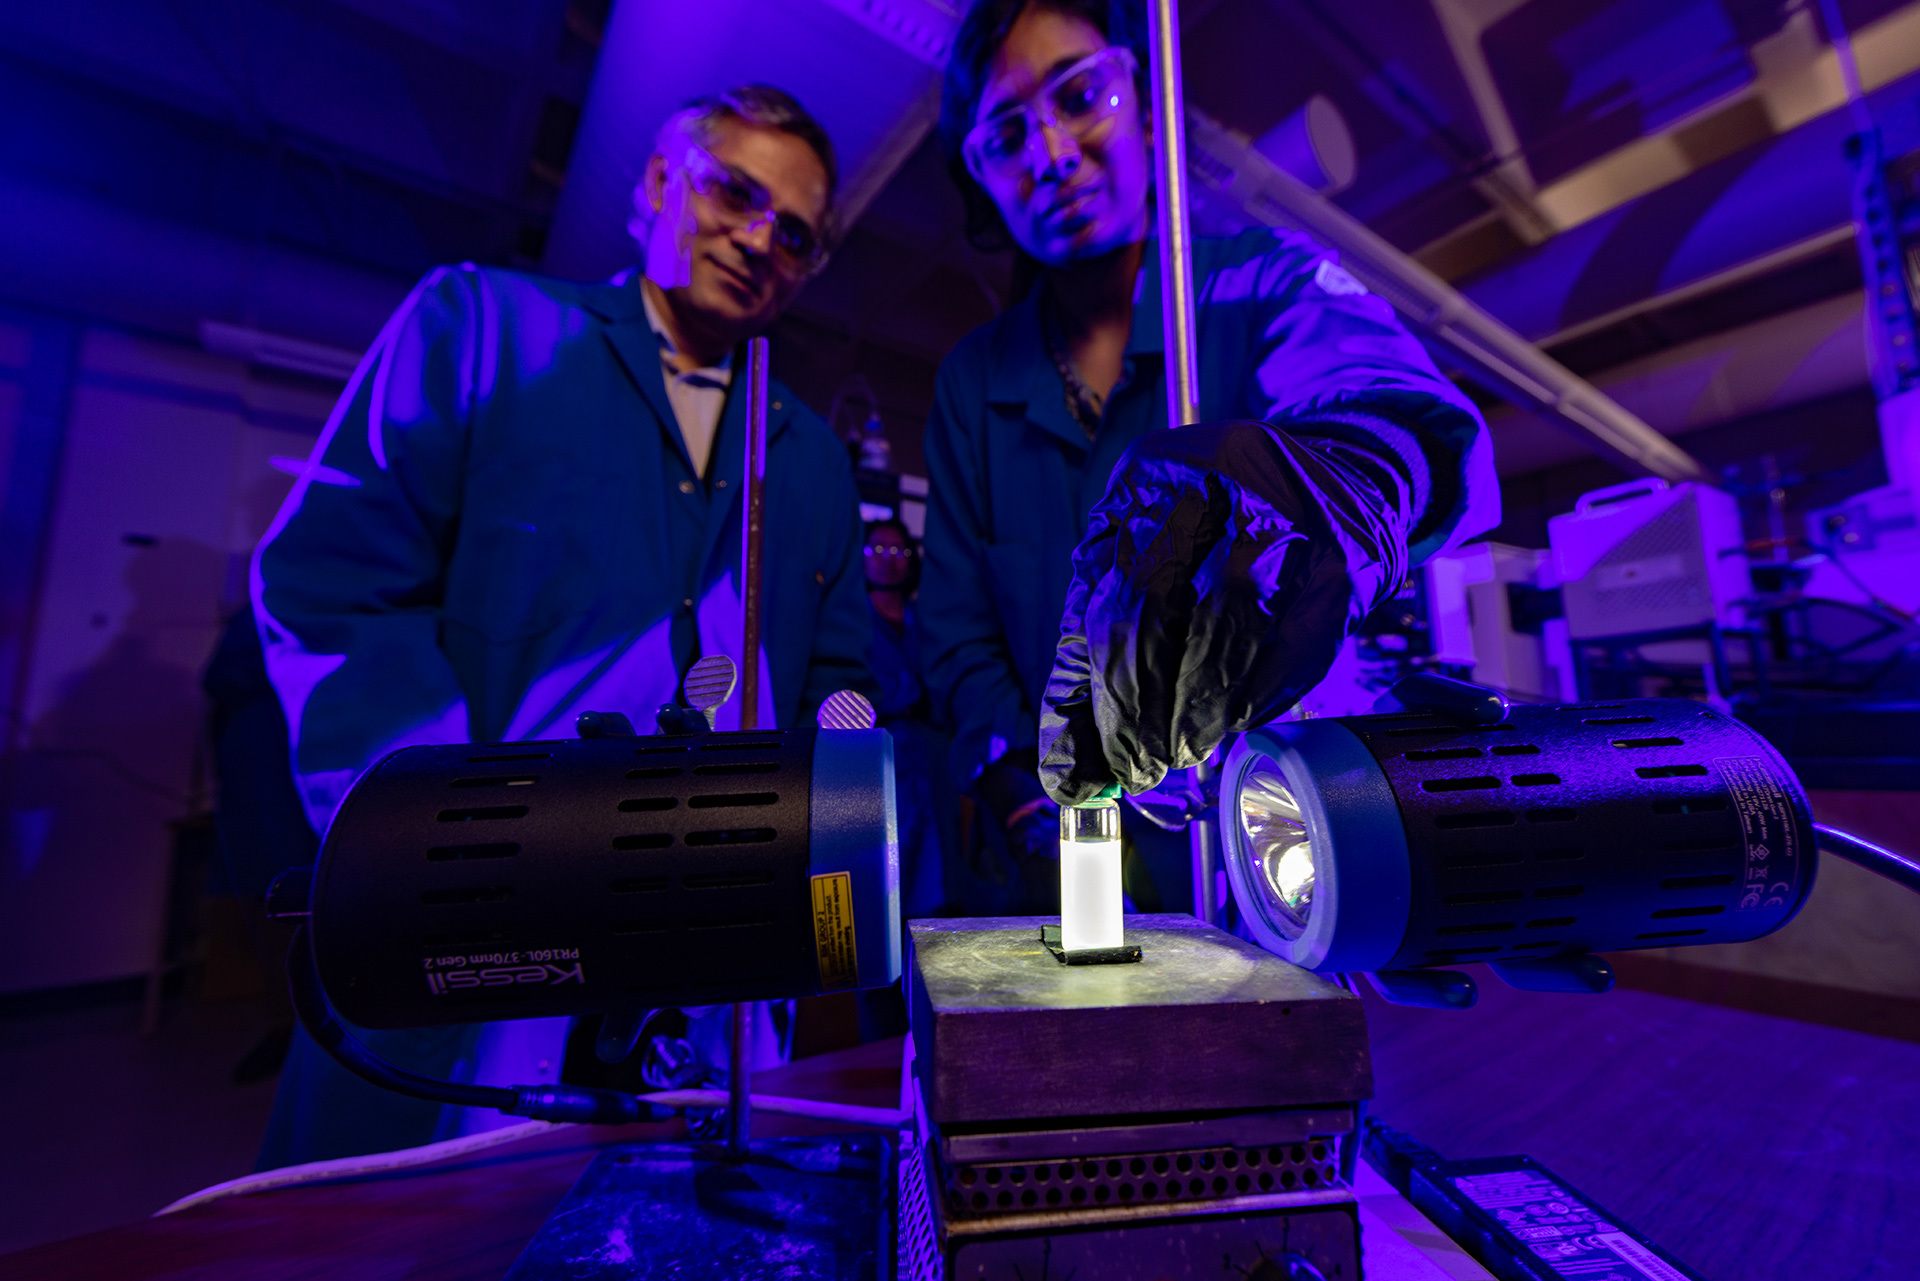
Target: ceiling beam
[1508,184]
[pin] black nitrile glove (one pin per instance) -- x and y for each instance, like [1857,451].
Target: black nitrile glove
[1217,579]
[1010,791]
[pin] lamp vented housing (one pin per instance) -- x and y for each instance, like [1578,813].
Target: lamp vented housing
[512,880]
[1408,839]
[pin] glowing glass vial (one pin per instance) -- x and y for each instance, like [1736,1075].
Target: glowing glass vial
[1090,907]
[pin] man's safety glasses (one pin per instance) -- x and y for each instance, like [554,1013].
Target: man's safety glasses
[1079,97]
[741,200]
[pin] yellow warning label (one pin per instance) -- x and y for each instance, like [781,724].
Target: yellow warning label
[833,930]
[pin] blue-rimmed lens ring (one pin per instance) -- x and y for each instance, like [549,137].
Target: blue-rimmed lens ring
[1362,876]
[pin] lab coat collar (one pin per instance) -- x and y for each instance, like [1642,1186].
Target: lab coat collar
[1022,375]
[622,306]
[721,373]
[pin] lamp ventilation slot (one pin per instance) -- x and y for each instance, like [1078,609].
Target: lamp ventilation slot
[483,813]
[1706,845]
[648,804]
[654,771]
[732,836]
[1460,859]
[733,800]
[727,880]
[639,885]
[1480,818]
[1470,783]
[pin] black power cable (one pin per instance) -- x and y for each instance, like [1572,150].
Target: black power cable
[1898,868]
[538,1102]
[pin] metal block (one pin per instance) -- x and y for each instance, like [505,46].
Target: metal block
[1190,1176]
[1205,1022]
[1179,1134]
[1313,1231]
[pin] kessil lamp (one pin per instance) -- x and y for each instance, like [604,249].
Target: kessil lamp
[609,875]
[1531,837]
[520,880]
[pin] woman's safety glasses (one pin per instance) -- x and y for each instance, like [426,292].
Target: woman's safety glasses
[743,201]
[1075,100]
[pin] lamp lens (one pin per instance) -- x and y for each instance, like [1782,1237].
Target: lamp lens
[1278,842]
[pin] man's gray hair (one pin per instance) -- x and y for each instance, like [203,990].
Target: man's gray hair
[760,105]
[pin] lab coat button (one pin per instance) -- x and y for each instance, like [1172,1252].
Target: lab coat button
[686,487]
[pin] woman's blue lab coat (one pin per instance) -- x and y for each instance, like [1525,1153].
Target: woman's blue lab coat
[1285,335]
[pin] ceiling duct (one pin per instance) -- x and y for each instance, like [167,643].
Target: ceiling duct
[1234,182]
[1779,362]
[1315,145]
[869,70]
[1774,202]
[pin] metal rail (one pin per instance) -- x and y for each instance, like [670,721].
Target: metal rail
[753,478]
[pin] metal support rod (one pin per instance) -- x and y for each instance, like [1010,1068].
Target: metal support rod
[752,532]
[1203,836]
[1176,247]
[739,1100]
[752,539]
[1176,312]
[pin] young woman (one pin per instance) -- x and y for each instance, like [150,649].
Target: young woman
[1354,457]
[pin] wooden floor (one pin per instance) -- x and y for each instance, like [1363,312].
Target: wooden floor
[106,1125]
[1752,1148]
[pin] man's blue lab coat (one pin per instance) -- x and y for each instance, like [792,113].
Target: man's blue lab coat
[499,529]
[1285,335]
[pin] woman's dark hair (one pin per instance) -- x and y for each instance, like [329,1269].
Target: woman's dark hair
[982,32]
[911,584]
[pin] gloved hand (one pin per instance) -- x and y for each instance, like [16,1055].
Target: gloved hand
[1217,579]
[1009,789]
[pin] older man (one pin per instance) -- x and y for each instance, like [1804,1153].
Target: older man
[524,507]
